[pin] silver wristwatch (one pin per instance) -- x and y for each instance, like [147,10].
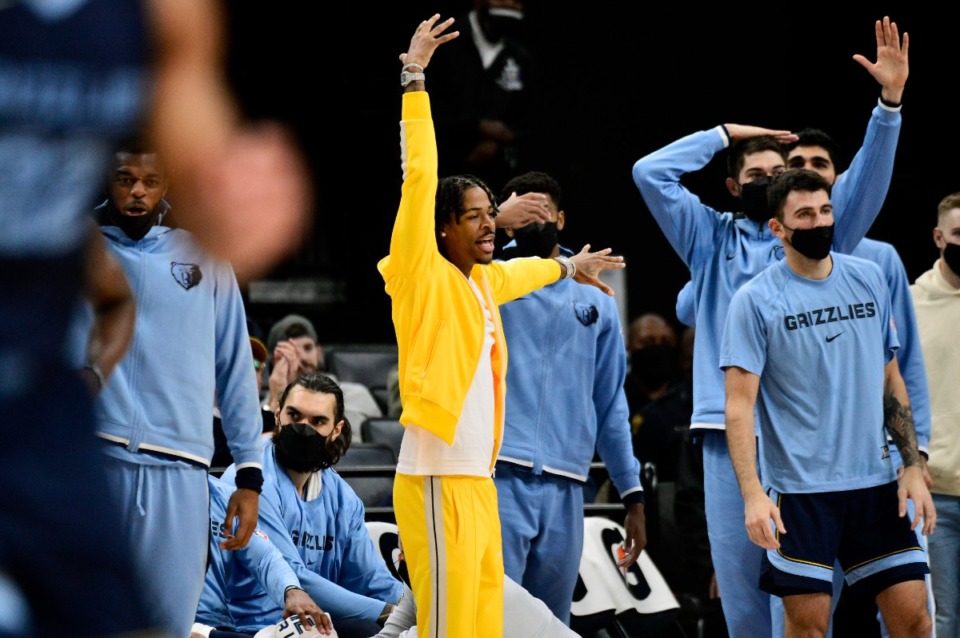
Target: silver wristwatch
[406,77]
[569,268]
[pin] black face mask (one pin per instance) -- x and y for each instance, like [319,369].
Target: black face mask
[655,365]
[753,199]
[301,448]
[951,255]
[498,24]
[536,240]
[814,243]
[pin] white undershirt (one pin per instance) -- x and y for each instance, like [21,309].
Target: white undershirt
[424,454]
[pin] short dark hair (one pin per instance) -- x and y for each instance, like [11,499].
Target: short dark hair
[797,179]
[318,382]
[816,137]
[134,144]
[533,182]
[749,146]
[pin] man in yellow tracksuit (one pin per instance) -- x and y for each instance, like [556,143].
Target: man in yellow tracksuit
[445,290]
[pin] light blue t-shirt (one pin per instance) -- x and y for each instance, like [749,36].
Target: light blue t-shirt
[819,348]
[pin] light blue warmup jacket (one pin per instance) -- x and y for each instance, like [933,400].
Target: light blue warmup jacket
[190,347]
[565,386]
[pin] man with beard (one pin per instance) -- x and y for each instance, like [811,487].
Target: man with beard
[190,344]
[810,345]
[724,251]
[566,399]
[314,518]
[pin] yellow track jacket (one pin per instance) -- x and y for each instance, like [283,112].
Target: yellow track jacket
[436,315]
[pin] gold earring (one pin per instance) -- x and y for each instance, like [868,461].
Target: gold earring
[443,234]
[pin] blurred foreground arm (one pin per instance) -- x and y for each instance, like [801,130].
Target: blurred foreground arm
[242,189]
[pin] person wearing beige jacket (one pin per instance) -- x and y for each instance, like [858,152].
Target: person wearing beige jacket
[936,299]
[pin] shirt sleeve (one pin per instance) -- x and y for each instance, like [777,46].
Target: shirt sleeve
[744,342]
[891,342]
[514,278]
[236,383]
[688,224]
[413,243]
[686,306]
[262,559]
[338,601]
[363,569]
[613,413]
[859,192]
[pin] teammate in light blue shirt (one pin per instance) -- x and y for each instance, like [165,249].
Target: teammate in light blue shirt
[566,403]
[806,336]
[315,518]
[814,337]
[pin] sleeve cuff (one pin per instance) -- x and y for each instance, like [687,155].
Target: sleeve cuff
[887,106]
[633,498]
[724,135]
[249,478]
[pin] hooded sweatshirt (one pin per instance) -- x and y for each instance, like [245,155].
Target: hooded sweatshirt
[937,304]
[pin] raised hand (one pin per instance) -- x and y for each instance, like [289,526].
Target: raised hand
[892,66]
[428,36]
[590,264]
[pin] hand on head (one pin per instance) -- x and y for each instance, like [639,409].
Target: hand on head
[739,132]
[520,210]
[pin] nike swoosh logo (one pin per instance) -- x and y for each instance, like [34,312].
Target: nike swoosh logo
[731,256]
[829,339]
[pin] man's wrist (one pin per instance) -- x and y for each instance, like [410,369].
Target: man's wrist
[249,478]
[291,588]
[567,267]
[891,99]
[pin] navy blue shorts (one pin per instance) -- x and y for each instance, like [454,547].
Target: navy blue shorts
[860,529]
